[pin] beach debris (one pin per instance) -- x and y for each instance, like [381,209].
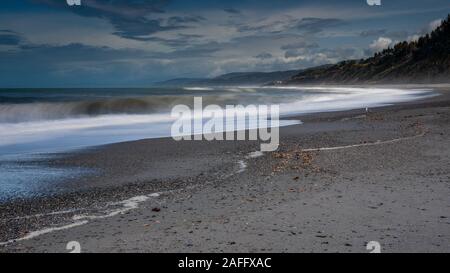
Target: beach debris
[296,178]
[294,159]
[156,209]
[307,158]
[375,117]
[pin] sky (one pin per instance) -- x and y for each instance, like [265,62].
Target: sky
[134,43]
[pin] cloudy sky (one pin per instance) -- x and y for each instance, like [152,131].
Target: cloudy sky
[119,43]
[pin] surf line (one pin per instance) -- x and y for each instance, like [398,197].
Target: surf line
[39,215]
[379,142]
[82,219]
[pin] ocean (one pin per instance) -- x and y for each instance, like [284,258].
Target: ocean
[35,123]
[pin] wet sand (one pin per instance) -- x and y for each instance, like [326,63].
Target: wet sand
[384,176]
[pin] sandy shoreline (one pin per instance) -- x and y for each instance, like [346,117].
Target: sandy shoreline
[386,179]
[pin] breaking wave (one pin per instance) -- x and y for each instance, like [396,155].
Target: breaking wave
[93,119]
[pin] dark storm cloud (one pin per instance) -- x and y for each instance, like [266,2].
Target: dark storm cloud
[136,29]
[293,53]
[264,55]
[112,8]
[315,25]
[372,32]
[245,28]
[181,20]
[77,52]
[130,18]
[232,11]
[74,52]
[198,51]
[309,25]
[301,44]
[8,37]
[181,40]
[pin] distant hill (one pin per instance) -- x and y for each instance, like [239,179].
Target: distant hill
[237,78]
[426,60]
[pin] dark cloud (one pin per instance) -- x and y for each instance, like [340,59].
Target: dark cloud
[315,25]
[181,20]
[245,28]
[292,53]
[232,11]
[264,55]
[77,63]
[372,32]
[112,8]
[130,18]
[300,45]
[190,36]
[308,25]
[8,37]
[179,41]
[197,51]
[137,29]
[75,52]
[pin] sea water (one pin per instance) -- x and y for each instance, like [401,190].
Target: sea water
[42,121]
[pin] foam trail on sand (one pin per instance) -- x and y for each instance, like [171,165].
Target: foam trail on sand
[112,209]
[362,144]
[39,215]
[129,204]
[34,234]
[242,166]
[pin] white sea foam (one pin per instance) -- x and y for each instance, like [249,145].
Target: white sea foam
[345,98]
[112,209]
[56,135]
[242,166]
[37,233]
[198,88]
